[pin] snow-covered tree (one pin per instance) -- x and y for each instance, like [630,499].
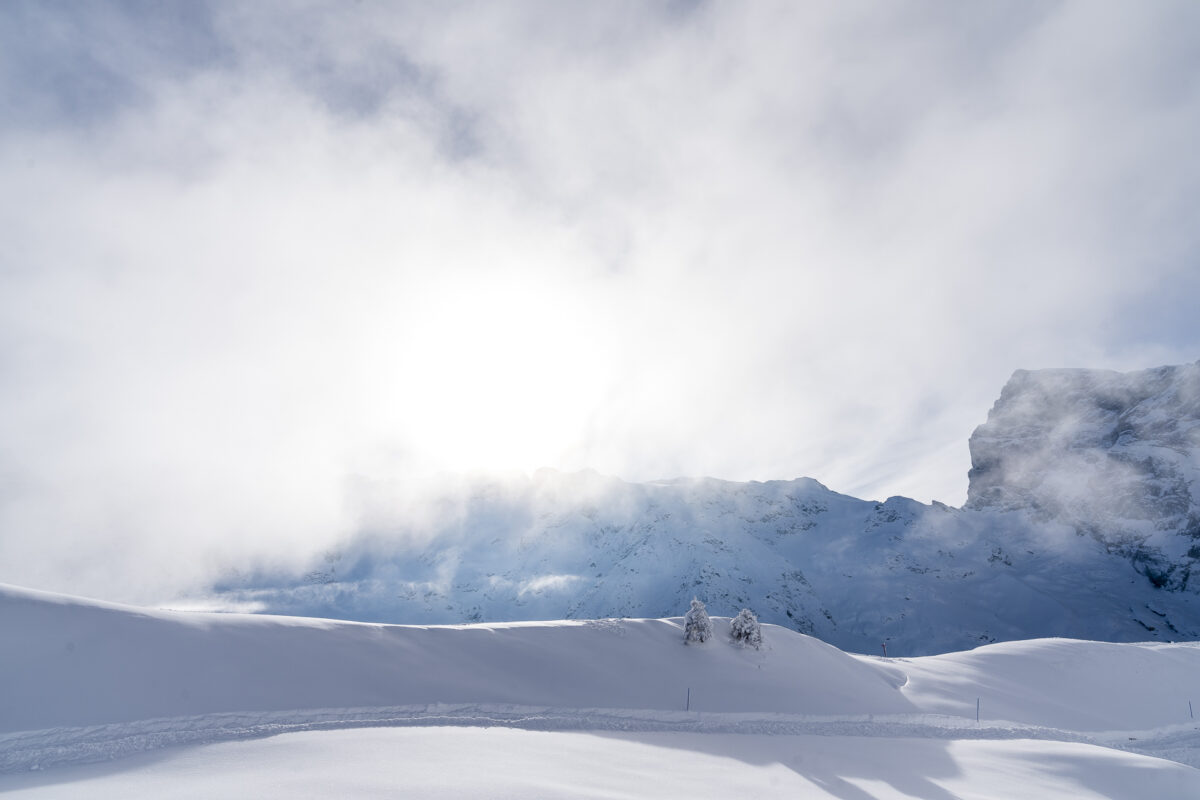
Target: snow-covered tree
[697,627]
[745,630]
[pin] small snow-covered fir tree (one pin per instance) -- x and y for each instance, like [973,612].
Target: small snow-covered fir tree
[745,630]
[697,627]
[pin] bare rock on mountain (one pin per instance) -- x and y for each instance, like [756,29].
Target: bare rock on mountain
[1115,455]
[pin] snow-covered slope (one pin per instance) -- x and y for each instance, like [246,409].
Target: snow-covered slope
[82,681]
[71,662]
[500,763]
[1082,522]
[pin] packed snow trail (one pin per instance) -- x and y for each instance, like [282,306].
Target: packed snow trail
[56,747]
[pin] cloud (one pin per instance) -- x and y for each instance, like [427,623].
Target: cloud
[252,254]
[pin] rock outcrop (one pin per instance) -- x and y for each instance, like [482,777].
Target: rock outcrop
[1114,455]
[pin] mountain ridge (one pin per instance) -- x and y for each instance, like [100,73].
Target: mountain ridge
[1033,553]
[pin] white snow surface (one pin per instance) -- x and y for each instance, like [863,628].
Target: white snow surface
[102,700]
[506,763]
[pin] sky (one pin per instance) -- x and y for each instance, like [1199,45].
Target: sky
[253,252]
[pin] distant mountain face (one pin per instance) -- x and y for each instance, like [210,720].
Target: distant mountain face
[1081,521]
[1114,455]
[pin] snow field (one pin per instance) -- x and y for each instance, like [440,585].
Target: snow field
[506,763]
[77,663]
[1062,683]
[189,704]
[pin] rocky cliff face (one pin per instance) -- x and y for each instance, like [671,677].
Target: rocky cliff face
[1114,455]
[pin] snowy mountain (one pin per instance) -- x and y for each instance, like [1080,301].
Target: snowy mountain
[1081,522]
[103,700]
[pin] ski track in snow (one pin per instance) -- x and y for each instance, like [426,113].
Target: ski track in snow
[56,747]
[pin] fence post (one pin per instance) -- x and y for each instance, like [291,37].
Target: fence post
[976,709]
[688,707]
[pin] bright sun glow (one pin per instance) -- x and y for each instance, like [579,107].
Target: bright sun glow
[500,378]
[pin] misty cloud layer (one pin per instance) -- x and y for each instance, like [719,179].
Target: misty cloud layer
[255,255]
